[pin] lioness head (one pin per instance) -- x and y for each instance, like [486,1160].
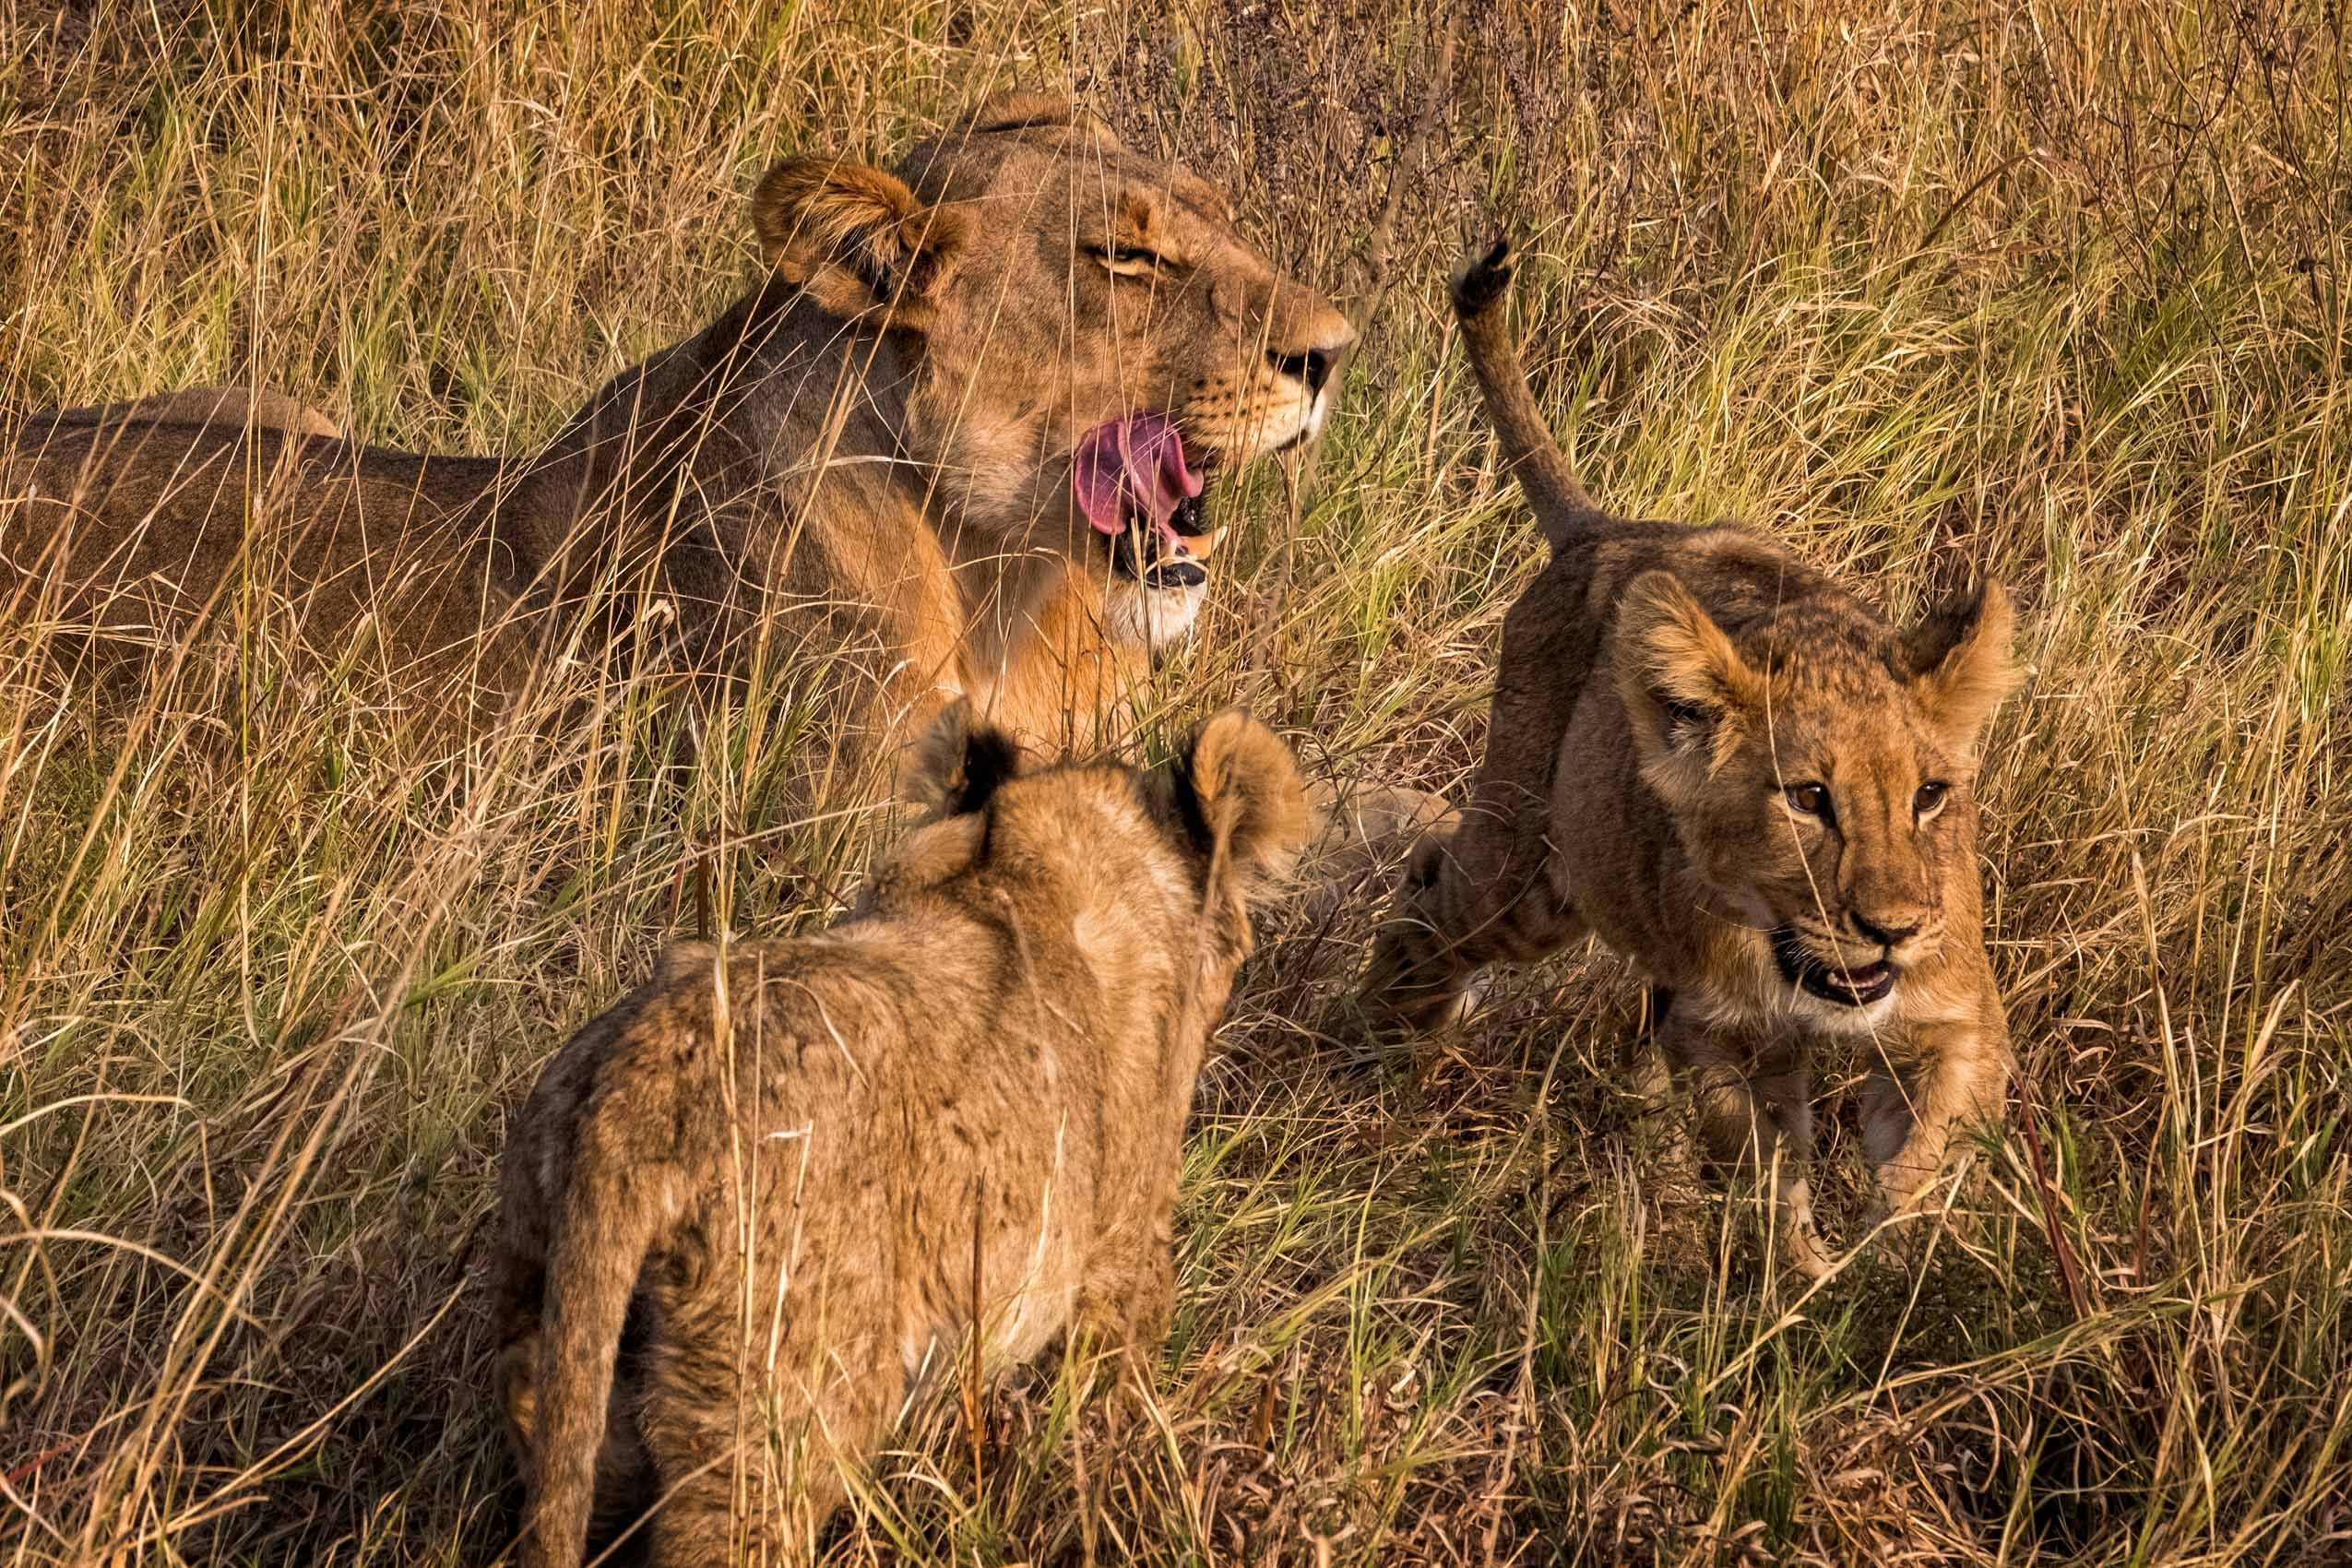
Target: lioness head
[1137,868]
[1091,337]
[1819,770]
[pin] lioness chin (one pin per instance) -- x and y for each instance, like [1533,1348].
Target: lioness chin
[1744,780]
[792,1174]
[960,438]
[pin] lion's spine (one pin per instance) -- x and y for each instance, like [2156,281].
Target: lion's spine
[613,1208]
[1566,513]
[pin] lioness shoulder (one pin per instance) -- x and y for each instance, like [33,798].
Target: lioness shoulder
[1744,779]
[800,1143]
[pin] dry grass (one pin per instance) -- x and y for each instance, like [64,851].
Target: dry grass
[2055,294]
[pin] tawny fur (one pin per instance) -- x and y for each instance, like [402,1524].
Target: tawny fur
[865,459]
[767,1171]
[1661,690]
[257,408]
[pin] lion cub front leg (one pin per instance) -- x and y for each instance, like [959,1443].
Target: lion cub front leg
[1476,894]
[1923,1089]
[1752,1103]
[1120,1321]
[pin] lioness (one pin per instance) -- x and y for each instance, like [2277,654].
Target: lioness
[957,440]
[1745,781]
[791,1166]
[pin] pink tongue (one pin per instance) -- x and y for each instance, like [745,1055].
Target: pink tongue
[1132,468]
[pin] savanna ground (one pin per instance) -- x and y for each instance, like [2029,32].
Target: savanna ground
[2055,294]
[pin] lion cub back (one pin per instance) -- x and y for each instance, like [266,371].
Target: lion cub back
[753,1190]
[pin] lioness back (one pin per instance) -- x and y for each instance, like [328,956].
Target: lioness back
[1746,781]
[129,532]
[238,406]
[739,1212]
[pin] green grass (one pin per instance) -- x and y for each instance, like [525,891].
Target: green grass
[2053,294]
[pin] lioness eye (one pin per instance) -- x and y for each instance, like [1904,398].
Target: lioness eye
[1127,261]
[1929,800]
[1811,799]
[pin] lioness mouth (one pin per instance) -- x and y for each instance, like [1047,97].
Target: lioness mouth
[1131,480]
[1849,985]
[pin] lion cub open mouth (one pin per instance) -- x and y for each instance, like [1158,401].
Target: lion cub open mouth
[1131,478]
[1849,985]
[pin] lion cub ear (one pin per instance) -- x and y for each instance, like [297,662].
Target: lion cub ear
[1682,682]
[949,776]
[1238,787]
[857,240]
[959,763]
[1958,654]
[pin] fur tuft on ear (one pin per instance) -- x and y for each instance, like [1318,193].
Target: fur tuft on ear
[856,240]
[1682,680]
[1958,656]
[1246,800]
[960,763]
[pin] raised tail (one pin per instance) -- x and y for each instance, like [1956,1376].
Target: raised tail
[1563,511]
[614,1208]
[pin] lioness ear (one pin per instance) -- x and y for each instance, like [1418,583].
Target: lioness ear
[682,961]
[1958,656]
[1238,790]
[1681,678]
[960,762]
[856,240]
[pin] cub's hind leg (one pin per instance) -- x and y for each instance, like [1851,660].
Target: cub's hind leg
[719,1498]
[752,1447]
[1482,893]
[1752,1107]
[1490,890]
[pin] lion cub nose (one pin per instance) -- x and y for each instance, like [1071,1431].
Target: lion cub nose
[1888,927]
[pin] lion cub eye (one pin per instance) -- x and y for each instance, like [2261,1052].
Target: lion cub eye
[1128,261]
[1812,800]
[1929,800]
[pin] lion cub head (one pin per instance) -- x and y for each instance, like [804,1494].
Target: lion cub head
[1139,867]
[1819,769]
[1091,339]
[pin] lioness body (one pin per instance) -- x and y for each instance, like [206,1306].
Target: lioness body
[255,407]
[777,1160]
[871,455]
[350,549]
[1668,701]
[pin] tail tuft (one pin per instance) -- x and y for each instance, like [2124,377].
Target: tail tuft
[1482,279]
[1566,514]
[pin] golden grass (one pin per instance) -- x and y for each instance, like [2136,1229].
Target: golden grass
[2049,291]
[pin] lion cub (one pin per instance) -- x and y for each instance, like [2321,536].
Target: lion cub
[1745,781]
[743,1210]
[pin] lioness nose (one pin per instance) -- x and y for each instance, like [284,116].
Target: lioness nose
[1313,366]
[1889,927]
